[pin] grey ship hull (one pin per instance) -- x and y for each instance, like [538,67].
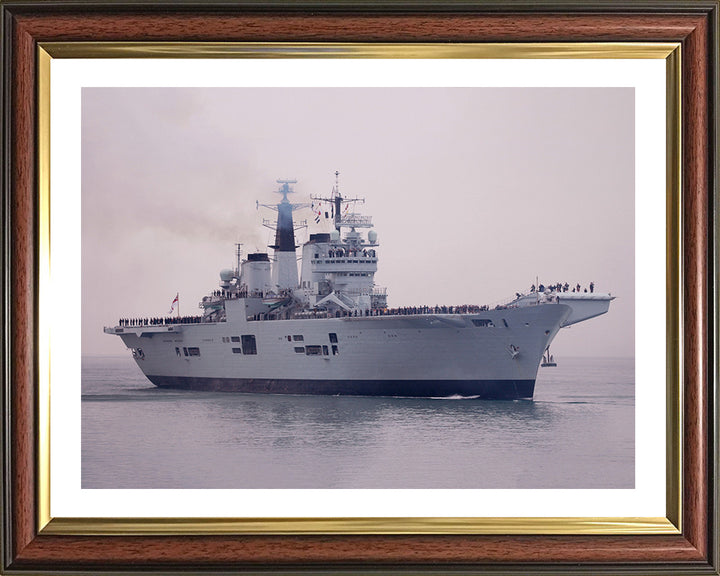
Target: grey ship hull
[486,389]
[493,354]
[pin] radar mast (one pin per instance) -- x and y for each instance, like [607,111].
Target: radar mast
[351,220]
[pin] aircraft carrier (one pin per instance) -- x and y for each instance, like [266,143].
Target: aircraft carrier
[328,330]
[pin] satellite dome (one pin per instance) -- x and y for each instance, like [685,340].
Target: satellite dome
[334,235]
[226,275]
[372,236]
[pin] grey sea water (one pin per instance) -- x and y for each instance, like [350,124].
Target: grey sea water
[578,432]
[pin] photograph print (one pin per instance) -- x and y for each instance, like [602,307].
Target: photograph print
[358,288]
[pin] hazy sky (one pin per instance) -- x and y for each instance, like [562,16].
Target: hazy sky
[473,192]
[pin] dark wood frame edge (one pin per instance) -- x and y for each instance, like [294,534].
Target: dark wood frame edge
[374,7]
[26,23]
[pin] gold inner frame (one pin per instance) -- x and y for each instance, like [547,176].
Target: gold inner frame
[671,524]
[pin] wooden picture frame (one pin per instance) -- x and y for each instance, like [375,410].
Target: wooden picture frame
[29,547]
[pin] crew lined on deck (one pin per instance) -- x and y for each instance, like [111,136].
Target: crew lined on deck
[159,321]
[400,311]
[560,287]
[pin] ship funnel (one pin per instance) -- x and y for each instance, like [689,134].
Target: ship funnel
[256,274]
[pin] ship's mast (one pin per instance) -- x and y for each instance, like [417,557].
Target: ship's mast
[285,275]
[337,201]
[284,227]
[238,258]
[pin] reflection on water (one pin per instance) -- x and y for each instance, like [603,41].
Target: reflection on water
[578,432]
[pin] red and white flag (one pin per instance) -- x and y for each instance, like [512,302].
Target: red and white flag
[174,302]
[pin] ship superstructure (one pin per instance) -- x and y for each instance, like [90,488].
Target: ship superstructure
[328,330]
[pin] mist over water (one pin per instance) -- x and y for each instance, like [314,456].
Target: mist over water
[578,432]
